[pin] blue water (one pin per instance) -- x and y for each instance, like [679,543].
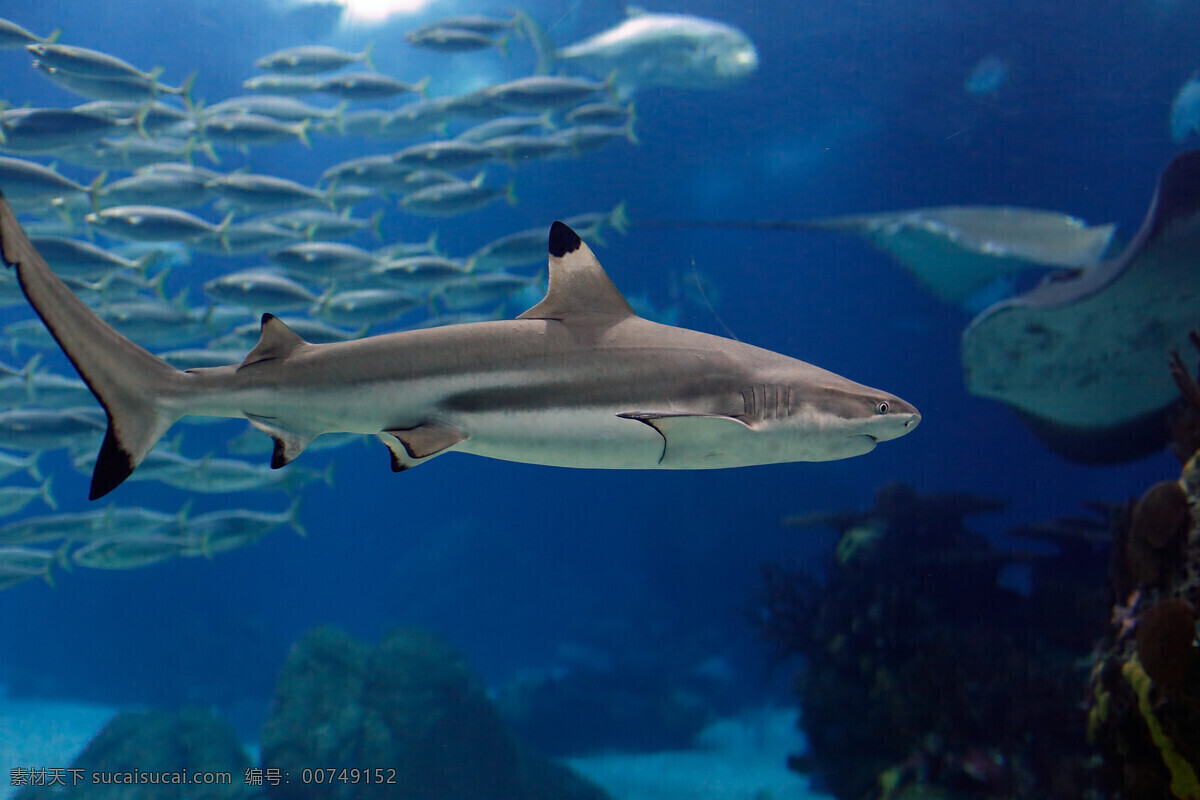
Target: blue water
[857,106]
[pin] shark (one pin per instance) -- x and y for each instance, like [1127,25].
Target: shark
[578,380]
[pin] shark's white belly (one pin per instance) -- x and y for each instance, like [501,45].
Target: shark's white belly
[583,437]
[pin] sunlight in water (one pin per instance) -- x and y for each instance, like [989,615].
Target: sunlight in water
[379,10]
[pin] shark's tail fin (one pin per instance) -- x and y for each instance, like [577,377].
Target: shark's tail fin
[134,386]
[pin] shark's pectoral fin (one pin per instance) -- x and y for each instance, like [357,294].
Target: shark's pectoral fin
[411,446]
[288,443]
[276,341]
[688,436]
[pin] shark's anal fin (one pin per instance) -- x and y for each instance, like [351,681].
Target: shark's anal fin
[412,446]
[288,443]
[683,433]
[276,341]
[578,284]
[428,440]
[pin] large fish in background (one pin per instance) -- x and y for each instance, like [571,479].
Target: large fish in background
[646,50]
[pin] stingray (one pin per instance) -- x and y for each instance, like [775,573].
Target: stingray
[1083,357]
[957,252]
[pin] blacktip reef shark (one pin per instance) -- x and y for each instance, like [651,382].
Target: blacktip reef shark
[1083,357]
[578,380]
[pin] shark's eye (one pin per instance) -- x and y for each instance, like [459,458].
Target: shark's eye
[882,407]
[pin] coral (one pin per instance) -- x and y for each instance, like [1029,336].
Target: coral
[924,676]
[1144,714]
[1164,639]
[1184,784]
[1153,538]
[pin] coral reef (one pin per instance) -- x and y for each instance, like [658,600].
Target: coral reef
[1144,706]
[410,706]
[924,675]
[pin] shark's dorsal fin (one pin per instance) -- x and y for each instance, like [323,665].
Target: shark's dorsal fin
[276,341]
[578,284]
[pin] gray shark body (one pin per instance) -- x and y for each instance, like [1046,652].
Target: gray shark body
[578,380]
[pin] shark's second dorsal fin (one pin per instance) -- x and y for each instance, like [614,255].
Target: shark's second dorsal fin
[276,341]
[578,284]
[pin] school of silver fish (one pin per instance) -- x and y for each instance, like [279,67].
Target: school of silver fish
[157,194]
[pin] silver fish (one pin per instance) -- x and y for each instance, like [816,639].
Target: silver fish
[28,180]
[312,60]
[44,130]
[29,429]
[136,88]
[290,85]
[245,130]
[251,192]
[153,224]
[15,498]
[450,155]
[82,61]
[365,306]
[451,199]
[447,39]
[259,289]
[369,86]
[324,261]
[13,35]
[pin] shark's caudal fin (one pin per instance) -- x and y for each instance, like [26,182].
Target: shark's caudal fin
[131,383]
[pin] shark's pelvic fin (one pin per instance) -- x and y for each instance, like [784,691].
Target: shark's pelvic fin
[276,341]
[578,284]
[133,385]
[288,443]
[428,440]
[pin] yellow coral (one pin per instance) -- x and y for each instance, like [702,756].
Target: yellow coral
[1098,715]
[889,780]
[1184,783]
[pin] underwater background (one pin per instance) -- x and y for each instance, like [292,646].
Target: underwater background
[855,107]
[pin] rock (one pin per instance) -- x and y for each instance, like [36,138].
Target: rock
[411,708]
[137,747]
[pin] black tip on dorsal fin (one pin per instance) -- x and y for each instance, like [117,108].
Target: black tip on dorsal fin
[563,240]
[578,285]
